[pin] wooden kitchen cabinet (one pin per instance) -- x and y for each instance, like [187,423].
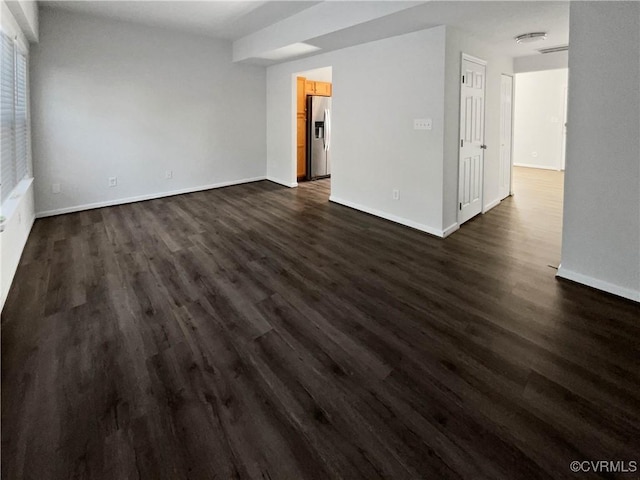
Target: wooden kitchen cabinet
[301,119]
[301,96]
[302,148]
[323,89]
[317,88]
[302,162]
[309,87]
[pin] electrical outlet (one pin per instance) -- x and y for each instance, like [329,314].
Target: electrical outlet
[395,194]
[422,124]
[55,188]
[534,154]
[113,181]
[168,174]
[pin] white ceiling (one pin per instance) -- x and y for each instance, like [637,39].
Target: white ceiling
[221,19]
[495,22]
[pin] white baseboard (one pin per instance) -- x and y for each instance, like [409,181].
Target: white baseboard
[388,216]
[140,198]
[531,165]
[450,229]
[490,205]
[282,182]
[599,284]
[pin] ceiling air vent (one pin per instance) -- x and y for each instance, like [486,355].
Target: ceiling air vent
[559,48]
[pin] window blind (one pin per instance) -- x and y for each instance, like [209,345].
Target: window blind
[8,179]
[21,135]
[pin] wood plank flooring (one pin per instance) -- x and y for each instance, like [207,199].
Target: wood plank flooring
[260,332]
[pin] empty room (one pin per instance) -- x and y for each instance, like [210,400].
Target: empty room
[303,239]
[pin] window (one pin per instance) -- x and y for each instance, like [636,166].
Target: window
[13,111]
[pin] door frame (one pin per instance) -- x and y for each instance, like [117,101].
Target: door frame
[565,105]
[294,117]
[513,92]
[480,61]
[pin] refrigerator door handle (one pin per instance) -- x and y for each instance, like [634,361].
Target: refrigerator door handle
[327,128]
[324,132]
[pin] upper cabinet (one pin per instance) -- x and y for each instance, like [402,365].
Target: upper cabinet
[323,88]
[309,87]
[317,88]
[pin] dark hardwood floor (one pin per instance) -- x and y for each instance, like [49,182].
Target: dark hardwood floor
[262,332]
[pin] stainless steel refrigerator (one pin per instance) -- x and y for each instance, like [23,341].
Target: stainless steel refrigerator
[318,137]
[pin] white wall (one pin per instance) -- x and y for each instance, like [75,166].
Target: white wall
[601,230]
[19,211]
[378,89]
[112,98]
[538,125]
[459,42]
[318,75]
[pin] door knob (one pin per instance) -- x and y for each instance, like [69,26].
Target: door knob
[483,147]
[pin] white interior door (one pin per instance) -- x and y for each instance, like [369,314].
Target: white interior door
[506,134]
[471,168]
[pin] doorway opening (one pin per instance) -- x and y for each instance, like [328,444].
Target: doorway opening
[312,127]
[539,144]
[540,112]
